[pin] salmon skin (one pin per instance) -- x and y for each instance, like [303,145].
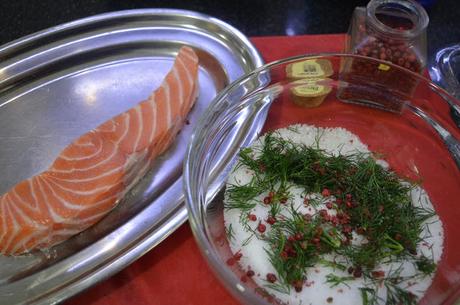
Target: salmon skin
[92,174]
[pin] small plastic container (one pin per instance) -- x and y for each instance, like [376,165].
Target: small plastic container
[390,30]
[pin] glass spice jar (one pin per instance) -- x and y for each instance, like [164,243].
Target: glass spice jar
[388,30]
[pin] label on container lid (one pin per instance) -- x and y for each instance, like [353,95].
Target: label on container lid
[311,87]
[310,68]
[309,90]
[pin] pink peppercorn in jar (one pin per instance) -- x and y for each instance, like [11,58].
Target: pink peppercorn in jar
[390,30]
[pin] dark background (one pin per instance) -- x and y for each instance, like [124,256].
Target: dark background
[252,17]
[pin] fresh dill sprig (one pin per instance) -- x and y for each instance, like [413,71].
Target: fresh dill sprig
[229,232]
[241,197]
[369,296]
[291,250]
[336,280]
[398,296]
[248,228]
[395,294]
[371,201]
[426,265]
[247,241]
[332,264]
[275,209]
[279,287]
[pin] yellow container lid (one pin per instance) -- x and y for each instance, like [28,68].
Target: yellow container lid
[310,68]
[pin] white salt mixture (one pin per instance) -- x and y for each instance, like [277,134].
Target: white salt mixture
[315,289]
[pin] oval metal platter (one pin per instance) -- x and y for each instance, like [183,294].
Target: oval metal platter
[59,83]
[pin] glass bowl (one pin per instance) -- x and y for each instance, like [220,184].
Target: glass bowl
[397,113]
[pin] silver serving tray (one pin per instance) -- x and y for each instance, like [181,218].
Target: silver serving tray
[59,83]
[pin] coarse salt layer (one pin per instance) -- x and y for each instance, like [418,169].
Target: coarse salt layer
[335,141]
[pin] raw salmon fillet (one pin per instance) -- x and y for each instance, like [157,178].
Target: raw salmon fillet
[92,174]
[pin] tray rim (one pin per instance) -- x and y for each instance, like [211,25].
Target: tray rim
[131,12]
[177,216]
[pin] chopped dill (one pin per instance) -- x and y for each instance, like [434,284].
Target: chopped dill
[229,232]
[278,287]
[335,280]
[275,209]
[369,296]
[247,240]
[333,265]
[425,265]
[368,200]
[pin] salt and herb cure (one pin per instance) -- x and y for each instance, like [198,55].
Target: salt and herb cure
[311,207]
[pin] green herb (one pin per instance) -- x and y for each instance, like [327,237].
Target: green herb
[229,232]
[368,296]
[398,296]
[240,197]
[290,256]
[335,280]
[370,200]
[275,209]
[279,287]
[333,265]
[425,265]
[244,220]
[395,295]
[246,241]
